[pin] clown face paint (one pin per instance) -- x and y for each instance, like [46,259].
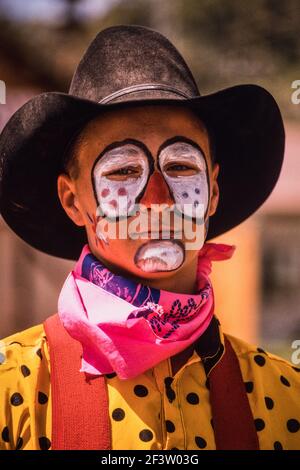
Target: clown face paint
[189,188]
[119,177]
[160,255]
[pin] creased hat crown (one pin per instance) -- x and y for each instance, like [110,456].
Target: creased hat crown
[128,62]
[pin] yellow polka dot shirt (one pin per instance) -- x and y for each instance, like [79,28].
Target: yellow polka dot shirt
[153,411]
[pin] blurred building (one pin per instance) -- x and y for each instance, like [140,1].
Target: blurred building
[258,291]
[29,280]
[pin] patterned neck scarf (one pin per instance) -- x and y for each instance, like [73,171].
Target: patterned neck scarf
[127,327]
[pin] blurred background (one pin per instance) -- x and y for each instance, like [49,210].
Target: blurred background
[224,43]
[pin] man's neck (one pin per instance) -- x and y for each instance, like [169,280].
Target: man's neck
[182,281]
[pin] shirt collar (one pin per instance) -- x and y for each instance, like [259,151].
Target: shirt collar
[211,346]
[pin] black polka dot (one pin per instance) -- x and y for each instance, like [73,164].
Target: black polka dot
[192,398]
[185,194]
[19,443]
[260,360]
[169,391]
[259,424]
[171,394]
[197,190]
[207,383]
[42,398]
[118,414]
[293,425]
[269,403]
[5,434]
[170,426]
[39,353]
[284,381]
[262,351]
[278,445]
[140,391]
[44,443]
[196,203]
[25,371]
[296,369]
[16,399]
[249,387]
[200,442]
[146,435]
[110,376]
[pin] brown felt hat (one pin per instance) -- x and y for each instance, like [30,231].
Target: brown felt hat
[130,65]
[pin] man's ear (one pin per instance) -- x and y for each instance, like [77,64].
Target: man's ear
[214,199]
[67,195]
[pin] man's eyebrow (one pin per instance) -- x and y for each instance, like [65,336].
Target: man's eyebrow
[179,138]
[122,143]
[144,148]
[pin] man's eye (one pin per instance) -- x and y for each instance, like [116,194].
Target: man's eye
[181,169]
[122,173]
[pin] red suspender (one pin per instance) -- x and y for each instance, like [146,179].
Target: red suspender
[80,418]
[232,417]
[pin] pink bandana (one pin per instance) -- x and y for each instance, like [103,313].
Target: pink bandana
[128,328]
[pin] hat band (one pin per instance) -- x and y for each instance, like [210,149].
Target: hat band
[143,87]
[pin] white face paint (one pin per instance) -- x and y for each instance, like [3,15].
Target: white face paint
[120,176]
[160,255]
[191,191]
[116,194]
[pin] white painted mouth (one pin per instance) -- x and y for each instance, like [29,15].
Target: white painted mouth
[159,255]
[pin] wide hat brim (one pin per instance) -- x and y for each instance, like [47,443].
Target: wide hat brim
[249,141]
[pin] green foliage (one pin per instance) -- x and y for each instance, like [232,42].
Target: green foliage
[269,25]
[226,42]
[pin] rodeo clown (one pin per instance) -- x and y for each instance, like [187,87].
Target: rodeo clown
[135,357]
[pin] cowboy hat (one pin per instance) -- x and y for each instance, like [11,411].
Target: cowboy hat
[131,65]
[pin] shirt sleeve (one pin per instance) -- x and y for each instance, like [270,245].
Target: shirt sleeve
[24,385]
[13,409]
[273,389]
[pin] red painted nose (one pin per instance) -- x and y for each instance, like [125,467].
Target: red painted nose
[157,191]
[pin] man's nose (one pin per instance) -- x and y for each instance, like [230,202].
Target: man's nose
[157,191]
